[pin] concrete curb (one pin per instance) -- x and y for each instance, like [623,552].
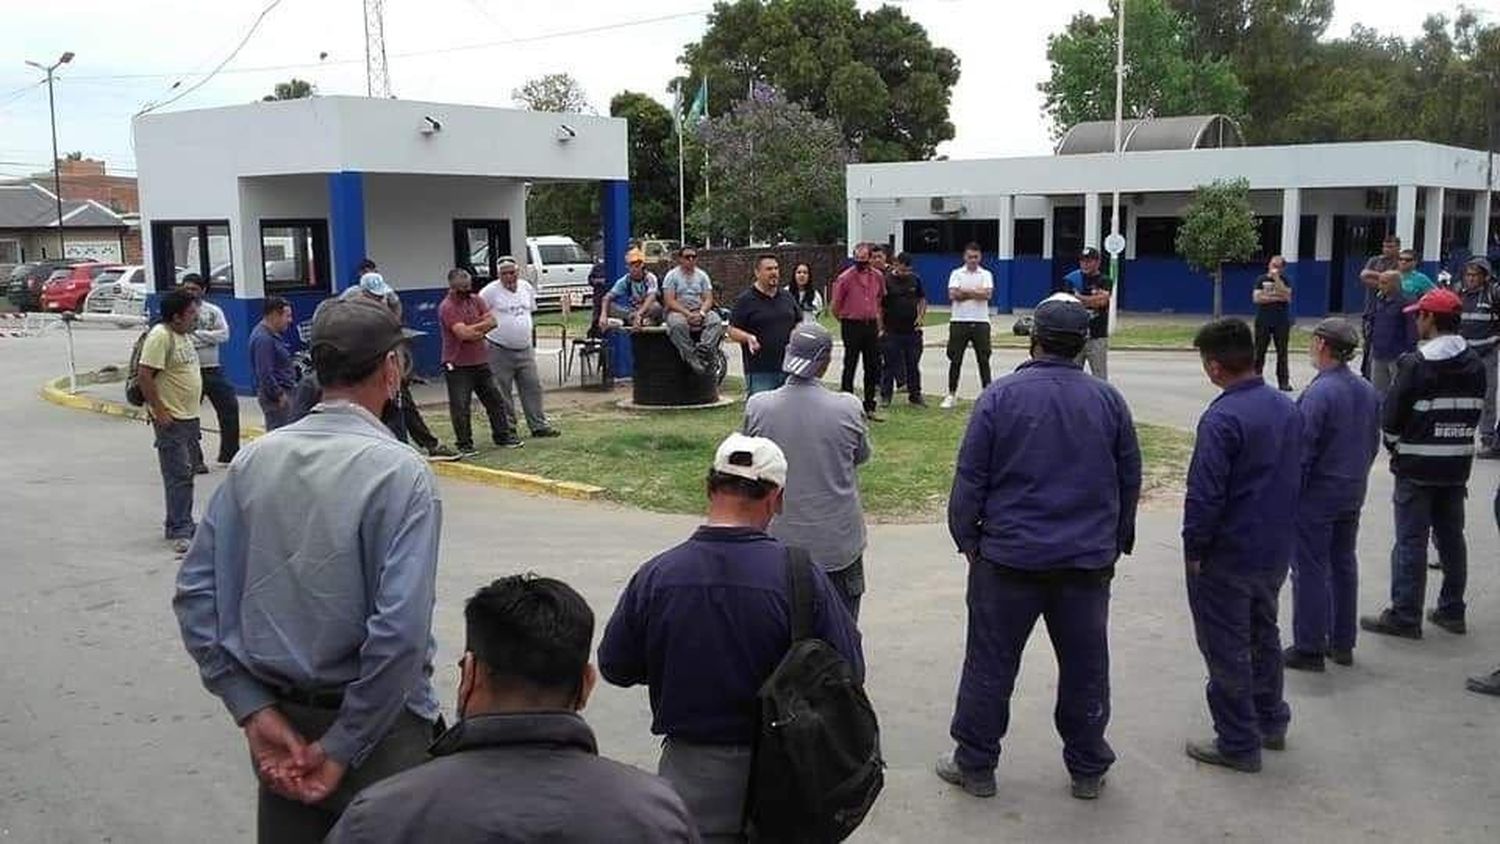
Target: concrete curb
[56,392]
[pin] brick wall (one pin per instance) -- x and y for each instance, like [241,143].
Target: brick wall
[733,270]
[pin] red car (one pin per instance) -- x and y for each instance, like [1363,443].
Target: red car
[68,288]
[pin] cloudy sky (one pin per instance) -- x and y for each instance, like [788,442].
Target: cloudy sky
[130,55]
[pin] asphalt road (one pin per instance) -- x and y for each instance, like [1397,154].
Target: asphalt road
[106,735]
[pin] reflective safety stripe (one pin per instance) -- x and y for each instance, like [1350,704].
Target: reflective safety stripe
[1479,316]
[1424,405]
[1421,450]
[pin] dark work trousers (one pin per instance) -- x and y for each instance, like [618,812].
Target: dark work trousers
[282,821]
[962,335]
[861,346]
[711,779]
[850,583]
[1003,607]
[405,420]
[220,394]
[1438,512]
[1234,616]
[276,414]
[903,353]
[465,382]
[175,446]
[1325,583]
[1279,332]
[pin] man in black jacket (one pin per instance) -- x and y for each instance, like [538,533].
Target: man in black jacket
[1429,419]
[520,765]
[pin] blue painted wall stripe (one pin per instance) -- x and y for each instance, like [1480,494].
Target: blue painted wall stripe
[615,213]
[346,225]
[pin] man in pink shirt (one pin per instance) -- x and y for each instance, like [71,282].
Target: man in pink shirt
[465,320]
[856,304]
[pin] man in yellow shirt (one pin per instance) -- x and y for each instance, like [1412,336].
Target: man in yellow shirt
[172,384]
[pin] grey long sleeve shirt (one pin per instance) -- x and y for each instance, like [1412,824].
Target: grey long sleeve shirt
[209,333]
[313,569]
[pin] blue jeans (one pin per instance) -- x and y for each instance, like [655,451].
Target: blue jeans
[762,382]
[1234,616]
[1003,608]
[276,415]
[176,445]
[1325,583]
[1422,511]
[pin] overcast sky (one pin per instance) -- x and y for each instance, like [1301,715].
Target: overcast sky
[478,51]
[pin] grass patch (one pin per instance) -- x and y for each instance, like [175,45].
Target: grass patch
[550,324]
[657,461]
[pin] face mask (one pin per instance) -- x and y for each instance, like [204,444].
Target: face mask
[861,264]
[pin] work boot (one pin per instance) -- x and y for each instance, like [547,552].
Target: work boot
[976,784]
[1088,788]
[1340,656]
[1386,624]
[546,433]
[1301,660]
[1276,741]
[1208,753]
[1452,624]
[1489,684]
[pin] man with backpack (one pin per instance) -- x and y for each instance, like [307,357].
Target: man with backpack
[167,380]
[705,625]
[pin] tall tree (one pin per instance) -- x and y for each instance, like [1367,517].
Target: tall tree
[1163,77]
[875,74]
[653,162]
[292,89]
[1219,227]
[559,207]
[777,171]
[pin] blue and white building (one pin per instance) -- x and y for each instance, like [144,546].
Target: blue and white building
[288,197]
[1324,207]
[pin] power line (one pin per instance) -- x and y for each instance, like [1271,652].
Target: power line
[227,59]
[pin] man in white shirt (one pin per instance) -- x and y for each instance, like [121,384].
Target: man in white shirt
[969,289]
[209,333]
[511,301]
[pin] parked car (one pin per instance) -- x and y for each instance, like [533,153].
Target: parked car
[67,289]
[660,251]
[24,287]
[557,267]
[120,290]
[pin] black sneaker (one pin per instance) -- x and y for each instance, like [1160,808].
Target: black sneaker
[1456,626]
[1088,788]
[978,785]
[511,441]
[1341,657]
[917,402]
[1208,753]
[1435,565]
[873,417]
[1302,661]
[1386,624]
[1276,741]
[466,453]
[1488,684]
[546,433]
[200,469]
[442,454]
[1286,388]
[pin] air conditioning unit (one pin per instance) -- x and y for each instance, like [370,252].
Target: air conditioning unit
[944,206]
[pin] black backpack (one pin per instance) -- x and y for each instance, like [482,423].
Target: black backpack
[816,768]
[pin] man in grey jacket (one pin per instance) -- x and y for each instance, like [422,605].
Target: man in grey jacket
[825,439]
[520,764]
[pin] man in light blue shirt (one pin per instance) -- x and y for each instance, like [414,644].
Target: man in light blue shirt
[306,598]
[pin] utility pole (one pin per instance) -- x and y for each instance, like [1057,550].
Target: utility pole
[56,171]
[1116,243]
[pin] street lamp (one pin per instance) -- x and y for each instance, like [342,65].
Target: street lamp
[52,112]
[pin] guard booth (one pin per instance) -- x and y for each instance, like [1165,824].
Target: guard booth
[287,198]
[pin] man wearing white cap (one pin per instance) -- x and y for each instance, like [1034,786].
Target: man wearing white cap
[705,623]
[511,300]
[826,438]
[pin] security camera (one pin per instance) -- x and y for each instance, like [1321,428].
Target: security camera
[565,133]
[430,125]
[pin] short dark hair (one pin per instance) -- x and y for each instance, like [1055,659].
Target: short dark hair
[1227,342]
[532,632]
[174,302]
[971,246]
[1447,323]
[273,305]
[877,247]
[722,483]
[1060,345]
[764,257]
[1392,238]
[366,266]
[192,278]
[903,258]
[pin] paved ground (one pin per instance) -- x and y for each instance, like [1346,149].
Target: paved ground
[106,735]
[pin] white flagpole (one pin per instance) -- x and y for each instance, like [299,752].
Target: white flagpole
[708,229]
[681,184]
[1114,226]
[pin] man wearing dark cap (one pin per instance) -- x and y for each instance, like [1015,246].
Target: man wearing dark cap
[306,598]
[825,439]
[1340,437]
[1042,507]
[1092,288]
[1481,330]
[1429,418]
[1242,489]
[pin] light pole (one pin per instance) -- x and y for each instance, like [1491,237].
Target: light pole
[1115,243]
[52,112]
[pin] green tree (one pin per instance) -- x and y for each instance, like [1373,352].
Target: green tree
[653,162]
[1162,77]
[1219,227]
[777,171]
[292,89]
[875,74]
[570,208]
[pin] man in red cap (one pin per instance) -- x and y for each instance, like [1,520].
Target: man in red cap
[1429,420]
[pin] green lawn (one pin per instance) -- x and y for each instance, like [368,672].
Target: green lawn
[657,461]
[548,324]
[1151,334]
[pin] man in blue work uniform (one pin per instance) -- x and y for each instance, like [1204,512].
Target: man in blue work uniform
[705,623]
[1043,505]
[1241,495]
[1340,437]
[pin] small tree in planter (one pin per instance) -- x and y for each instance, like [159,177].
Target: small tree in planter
[1219,227]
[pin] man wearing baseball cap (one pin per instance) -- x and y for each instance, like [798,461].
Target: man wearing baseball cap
[1481,330]
[705,623]
[633,300]
[306,598]
[825,437]
[1092,288]
[1429,418]
[1043,505]
[1340,438]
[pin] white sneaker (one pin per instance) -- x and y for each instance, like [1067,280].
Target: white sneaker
[950,402]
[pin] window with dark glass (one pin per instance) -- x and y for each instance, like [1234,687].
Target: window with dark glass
[478,246]
[1156,237]
[1029,236]
[180,247]
[294,255]
[949,237]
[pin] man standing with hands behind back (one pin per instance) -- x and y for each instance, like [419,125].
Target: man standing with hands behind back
[1273,319]
[856,304]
